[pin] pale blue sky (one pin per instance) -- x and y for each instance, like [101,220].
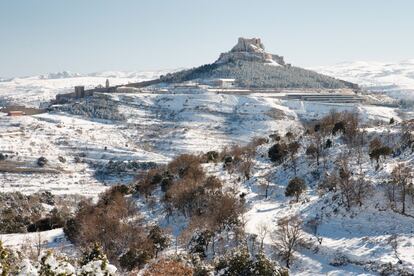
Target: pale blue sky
[40,36]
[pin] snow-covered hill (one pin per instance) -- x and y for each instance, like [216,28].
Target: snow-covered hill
[251,66]
[35,90]
[396,79]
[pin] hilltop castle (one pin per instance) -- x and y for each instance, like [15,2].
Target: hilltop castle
[250,49]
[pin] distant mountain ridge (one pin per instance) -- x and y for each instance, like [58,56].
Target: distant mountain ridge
[251,66]
[60,75]
[99,74]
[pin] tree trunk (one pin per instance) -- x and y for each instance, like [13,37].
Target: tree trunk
[393,192]
[261,244]
[403,199]
[288,259]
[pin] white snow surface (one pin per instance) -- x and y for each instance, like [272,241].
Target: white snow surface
[396,79]
[49,239]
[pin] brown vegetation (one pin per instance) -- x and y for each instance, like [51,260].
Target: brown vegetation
[168,267]
[114,223]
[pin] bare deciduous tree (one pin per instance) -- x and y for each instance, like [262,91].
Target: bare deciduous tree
[288,237]
[361,187]
[293,149]
[39,244]
[401,176]
[265,184]
[345,182]
[262,232]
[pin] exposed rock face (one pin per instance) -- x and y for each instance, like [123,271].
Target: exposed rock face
[253,45]
[250,49]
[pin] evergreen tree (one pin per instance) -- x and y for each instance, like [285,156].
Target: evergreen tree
[295,188]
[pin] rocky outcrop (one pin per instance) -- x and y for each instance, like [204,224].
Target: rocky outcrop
[252,45]
[250,49]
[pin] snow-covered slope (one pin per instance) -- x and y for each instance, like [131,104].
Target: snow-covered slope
[156,127]
[396,79]
[159,125]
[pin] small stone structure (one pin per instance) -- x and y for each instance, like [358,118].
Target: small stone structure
[79,93]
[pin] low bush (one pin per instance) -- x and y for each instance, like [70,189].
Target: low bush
[42,161]
[168,267]
[18,211]
[240,262]
[295,188]
[278,153]
[56,219]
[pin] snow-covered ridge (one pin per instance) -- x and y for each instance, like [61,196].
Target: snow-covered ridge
[60,75]
[108,74]
[396,79]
